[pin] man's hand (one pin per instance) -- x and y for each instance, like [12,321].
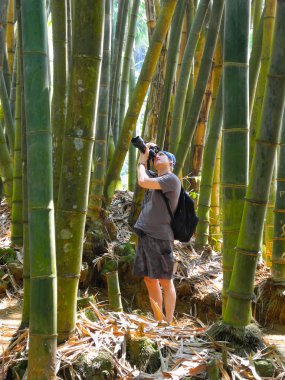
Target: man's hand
[144,156]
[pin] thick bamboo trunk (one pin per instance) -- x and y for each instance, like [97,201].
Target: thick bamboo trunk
[255,60]
[278,260]
[42,332]
[58,105]
[6,168]
[17,203]
[132,175]
[136,102]
[200,135]
[77,156]
[26,249]
[238,310]
[202,232]
[215,208]
[235,129]
[101,133]
[10,35]
[268,26]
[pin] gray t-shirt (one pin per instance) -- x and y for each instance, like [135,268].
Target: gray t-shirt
[154,218]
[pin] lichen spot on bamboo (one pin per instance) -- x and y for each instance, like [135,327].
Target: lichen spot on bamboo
[67,247]
[79,132]
[66,234]
[80,88]
[78,143]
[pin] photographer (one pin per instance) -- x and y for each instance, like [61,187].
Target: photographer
[154,256]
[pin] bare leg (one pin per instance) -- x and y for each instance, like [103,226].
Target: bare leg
[155,294]
[169,295]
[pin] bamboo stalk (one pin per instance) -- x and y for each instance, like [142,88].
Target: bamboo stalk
[58,105]
[77,155]
[278,262]
[208,167]
[101,133]
[268,27]
[17,202]
[235,129]
[42,333]
[238,311]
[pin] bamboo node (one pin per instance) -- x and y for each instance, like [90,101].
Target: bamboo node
[245,129]
[241,296]
[236,64]
[229,232]
[263,142]
[72,275]
[248,252]
[52,336]
[256,201]
[234,185]
[278,261]
[227,269]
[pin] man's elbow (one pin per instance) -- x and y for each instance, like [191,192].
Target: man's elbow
[142,183]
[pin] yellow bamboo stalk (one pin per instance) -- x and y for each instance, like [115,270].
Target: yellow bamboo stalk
[10,35]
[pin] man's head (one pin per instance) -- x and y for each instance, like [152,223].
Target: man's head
[164,159]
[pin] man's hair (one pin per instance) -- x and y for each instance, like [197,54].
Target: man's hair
[171,157]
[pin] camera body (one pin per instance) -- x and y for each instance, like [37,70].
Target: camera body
[140,144]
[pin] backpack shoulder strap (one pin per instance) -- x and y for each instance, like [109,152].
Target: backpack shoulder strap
[167,204]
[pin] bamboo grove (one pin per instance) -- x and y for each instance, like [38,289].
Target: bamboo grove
[210,89]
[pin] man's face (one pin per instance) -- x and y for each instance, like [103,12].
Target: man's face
[161,160]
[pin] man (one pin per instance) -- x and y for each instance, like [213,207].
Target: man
[154,257]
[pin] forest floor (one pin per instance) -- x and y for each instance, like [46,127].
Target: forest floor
[181,350]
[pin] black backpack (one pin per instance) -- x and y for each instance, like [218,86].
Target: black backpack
[184,221]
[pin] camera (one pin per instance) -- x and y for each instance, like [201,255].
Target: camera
[140,144]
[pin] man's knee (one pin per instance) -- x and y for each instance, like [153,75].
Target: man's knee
[166,284]
[150,282]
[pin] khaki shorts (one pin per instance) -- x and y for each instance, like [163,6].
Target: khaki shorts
[154,257]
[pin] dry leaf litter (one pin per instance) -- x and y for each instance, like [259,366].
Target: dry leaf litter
[187,352]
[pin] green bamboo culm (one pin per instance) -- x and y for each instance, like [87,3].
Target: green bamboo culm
[26,249]
[255,62]
[267,34]
[43,329]
[132,175]
[77,155]
[146,74]
[238,310]
[4,95]
[278,262]
[17,202]
[235,129]
[185,73]
[58,105]
[118,68]
[127,60]
[204,72]
[101,133]
[6,168]
[114,293]
[171,65]
[208,168]
[12,98]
